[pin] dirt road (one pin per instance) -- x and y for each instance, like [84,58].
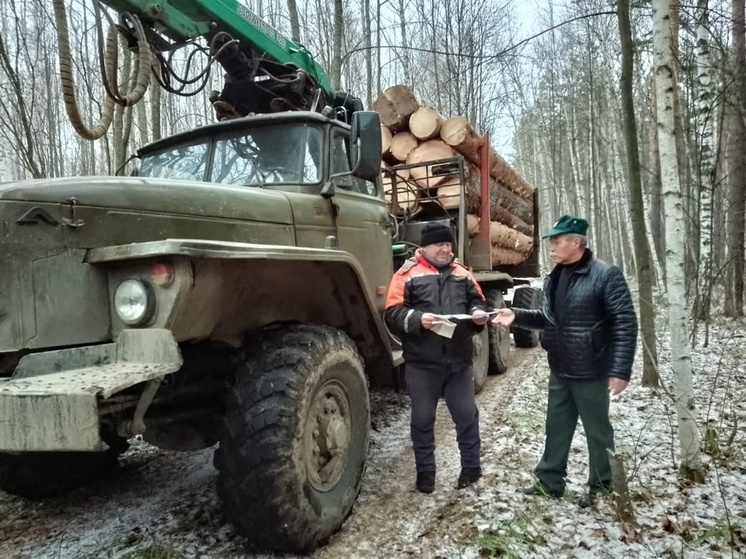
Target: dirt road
[163,504]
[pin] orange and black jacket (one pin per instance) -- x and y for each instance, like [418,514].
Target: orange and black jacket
[419,287]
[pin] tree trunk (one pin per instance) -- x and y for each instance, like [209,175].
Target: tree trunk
[691,465]
[706,93]
[643,259]
[733,305]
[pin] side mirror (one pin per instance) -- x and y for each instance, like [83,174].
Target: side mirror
[365,145]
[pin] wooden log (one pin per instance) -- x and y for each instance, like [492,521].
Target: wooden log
[472,225]
[425,123]
[503,236]
[402,144]
[406,193]
[395,105]
[432,150]
[385,141]
[506,257]
[458,133]
[505,206]
[449,193]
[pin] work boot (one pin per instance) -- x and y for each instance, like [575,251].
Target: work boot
[538,489]
[590,498]
[468,477]
[587,500]
[426,482]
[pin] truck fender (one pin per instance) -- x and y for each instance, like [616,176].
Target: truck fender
[225,290]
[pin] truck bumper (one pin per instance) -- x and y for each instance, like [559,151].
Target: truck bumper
[51,402]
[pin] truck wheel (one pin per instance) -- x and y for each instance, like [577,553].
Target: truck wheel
[526,298]
[480,360]
[499,337]
[36,475]
[297,424]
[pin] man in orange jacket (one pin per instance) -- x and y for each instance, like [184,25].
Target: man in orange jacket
[426,286]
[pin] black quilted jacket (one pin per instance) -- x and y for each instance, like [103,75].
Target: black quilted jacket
[597,334]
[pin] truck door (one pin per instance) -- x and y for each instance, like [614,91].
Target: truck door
[363,226]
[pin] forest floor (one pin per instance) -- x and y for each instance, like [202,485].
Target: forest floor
[163,504]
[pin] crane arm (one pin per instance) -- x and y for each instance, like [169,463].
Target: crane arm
[265,71]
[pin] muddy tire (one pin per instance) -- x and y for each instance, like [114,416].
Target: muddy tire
[36,475]
[481,348]
[297,424]
[499,337]
[526,298]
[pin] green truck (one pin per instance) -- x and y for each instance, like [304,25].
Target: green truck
[226,293]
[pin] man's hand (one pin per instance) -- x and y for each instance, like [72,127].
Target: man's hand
[427,320]
[504,317]
[479,317]
[617,385]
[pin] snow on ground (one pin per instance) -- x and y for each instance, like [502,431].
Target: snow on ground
[674,519]
[163,505]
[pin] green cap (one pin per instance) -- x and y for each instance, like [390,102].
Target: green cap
[567,224]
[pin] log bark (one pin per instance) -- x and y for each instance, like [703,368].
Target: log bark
[458,133]
[506,257]
[425,123]
[395,105]
[505,206]
[402,145]
[505,237]
[431,150]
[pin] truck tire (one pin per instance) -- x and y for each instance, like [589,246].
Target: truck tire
[36,475]
[297,425]
[480,360]
[526,298]
[499,336]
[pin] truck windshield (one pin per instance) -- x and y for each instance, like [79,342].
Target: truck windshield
[274,154]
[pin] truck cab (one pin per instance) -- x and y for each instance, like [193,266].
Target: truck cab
[227,292]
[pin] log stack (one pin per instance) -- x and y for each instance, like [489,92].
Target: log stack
[412,133]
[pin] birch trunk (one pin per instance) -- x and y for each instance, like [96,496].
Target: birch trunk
[705,95]
[691,465]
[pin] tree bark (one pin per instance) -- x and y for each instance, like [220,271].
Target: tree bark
[733,305]
[689,439]
[643,258]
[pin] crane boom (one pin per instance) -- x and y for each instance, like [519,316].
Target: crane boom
[265,71]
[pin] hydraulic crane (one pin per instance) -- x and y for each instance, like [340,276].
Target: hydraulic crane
[265,71]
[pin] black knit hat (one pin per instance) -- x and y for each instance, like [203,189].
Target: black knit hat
[436,233]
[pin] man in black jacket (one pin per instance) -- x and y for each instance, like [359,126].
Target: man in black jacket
[590,335]
[431,284]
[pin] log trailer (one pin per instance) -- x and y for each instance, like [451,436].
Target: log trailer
[229,293]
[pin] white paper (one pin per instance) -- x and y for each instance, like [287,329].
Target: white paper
[462,316]
[443,327]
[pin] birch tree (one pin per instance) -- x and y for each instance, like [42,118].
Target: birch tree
[689,440]
[705,130]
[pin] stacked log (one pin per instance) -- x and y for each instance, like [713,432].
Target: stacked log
[412,133]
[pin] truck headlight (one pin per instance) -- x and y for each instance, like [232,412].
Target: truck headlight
[134,302]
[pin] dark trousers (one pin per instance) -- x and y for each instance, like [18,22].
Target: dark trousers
[568,400]
[425,387]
